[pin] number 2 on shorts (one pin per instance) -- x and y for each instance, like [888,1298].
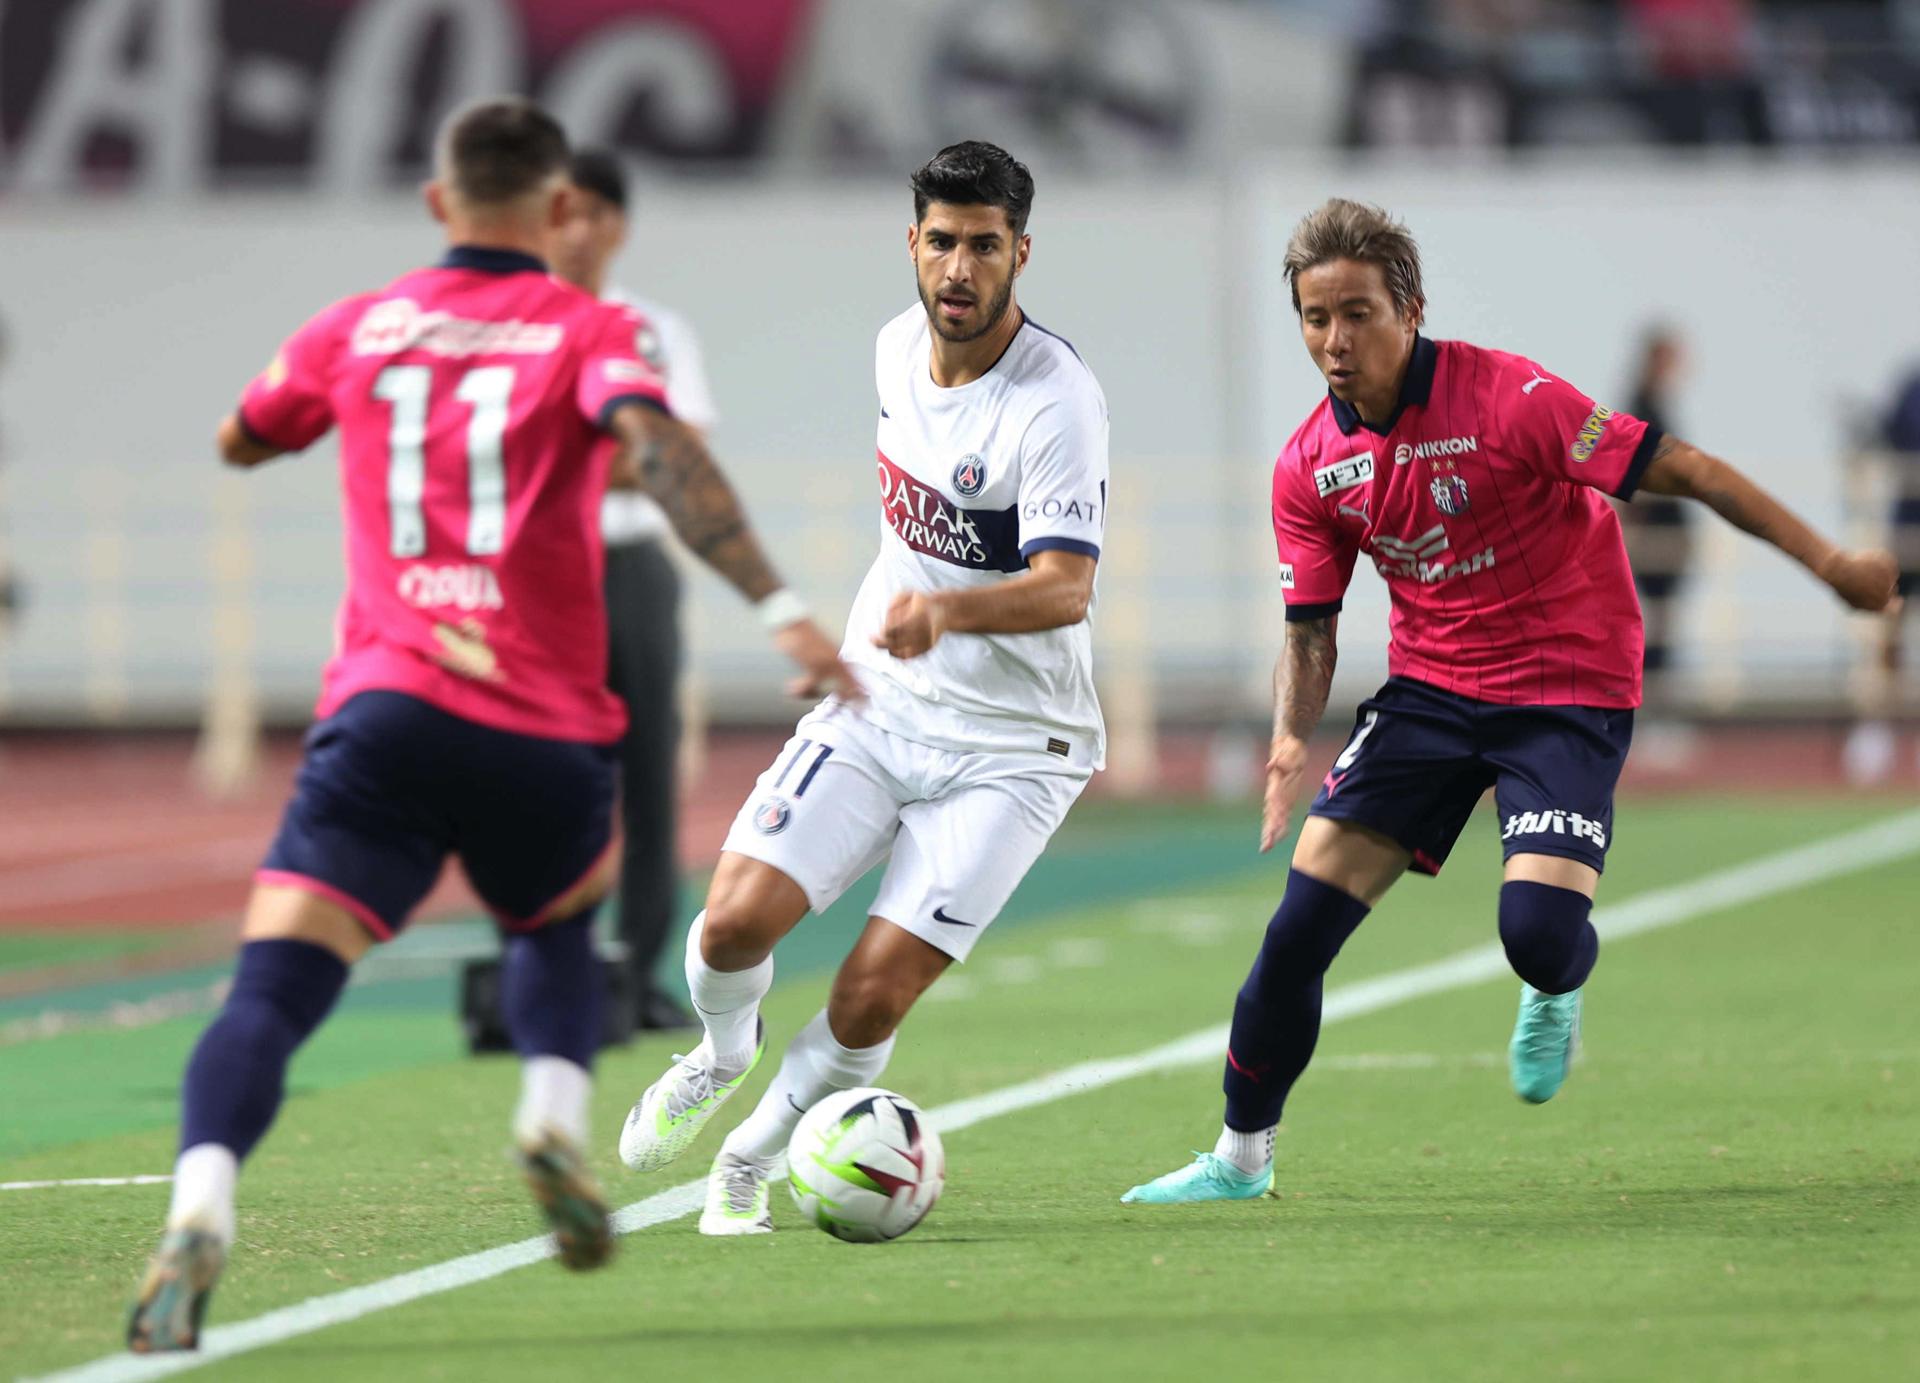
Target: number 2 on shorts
[1352,751]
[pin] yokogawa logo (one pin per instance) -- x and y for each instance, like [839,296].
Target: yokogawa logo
[1344,475]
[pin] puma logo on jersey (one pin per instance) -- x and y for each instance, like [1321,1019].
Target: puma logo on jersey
[1534,383]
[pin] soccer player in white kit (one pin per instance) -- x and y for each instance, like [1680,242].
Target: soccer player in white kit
[979,727]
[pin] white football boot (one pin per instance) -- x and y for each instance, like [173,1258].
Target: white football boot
[737,1194]
[665,1120]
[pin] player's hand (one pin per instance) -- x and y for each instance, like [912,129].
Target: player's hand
[913,624]
[1286,767]
[822,672]
[1866,580]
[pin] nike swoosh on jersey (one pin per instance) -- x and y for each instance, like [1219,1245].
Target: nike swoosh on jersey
[940,915]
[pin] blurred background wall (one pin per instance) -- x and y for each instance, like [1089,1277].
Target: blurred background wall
[183,181]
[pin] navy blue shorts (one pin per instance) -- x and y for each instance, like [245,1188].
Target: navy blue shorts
[390,786]
[1420,758]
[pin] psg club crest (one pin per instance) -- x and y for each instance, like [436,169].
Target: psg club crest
[1450,494]
[970,476]
[770,818]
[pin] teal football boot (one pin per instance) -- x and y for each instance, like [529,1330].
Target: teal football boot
[1209,1177]
[1544,1036]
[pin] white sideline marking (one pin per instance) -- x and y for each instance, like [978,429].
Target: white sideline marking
[1014,969]
[85,1181]
[1895,838]
[1403,1061]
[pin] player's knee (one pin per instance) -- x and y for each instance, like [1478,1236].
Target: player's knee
[1550,942]
[730,936]
[748,910]
[281,992]
[867,1007]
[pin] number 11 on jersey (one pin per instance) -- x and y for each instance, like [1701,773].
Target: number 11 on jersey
[488,391]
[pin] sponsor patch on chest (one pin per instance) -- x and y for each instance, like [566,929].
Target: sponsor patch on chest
[1439,446]
[1344,475]
[930,523]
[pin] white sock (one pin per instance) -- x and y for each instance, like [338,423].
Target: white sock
[203,1181]
[1251,1153]
[554,1093]
[814,1066]
[728,1002]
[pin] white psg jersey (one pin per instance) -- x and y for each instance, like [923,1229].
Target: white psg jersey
[973,481]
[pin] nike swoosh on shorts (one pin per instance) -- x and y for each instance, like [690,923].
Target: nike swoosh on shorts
[940,915]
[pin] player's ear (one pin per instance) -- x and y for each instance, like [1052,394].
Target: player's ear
[1021,253]
[913,242]
[560,200]
[435,196]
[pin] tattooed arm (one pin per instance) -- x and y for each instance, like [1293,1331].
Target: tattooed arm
[1865,579]
[666,459]
[1302,678]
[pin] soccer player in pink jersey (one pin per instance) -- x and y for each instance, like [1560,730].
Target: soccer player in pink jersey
[465,710]
[1475,481]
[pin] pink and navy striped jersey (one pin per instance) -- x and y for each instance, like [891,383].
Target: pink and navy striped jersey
[1481,505]
[471,398]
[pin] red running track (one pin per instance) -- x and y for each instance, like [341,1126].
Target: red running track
[107,831]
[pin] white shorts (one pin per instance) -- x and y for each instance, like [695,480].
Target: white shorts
[962,828]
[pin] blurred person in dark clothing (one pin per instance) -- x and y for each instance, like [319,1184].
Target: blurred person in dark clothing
[9,585]
[643,596]
[1871,749]
[1658,529]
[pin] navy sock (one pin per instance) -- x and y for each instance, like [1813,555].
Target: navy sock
[1276,1019]
[550,990]
[1550,943]
[281,992]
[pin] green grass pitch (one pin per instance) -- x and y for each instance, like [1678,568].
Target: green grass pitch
[1728,1187]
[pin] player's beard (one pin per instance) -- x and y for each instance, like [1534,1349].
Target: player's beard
[989,319]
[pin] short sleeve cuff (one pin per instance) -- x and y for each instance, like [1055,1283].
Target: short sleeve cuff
[1051,544]
[252,433]
[613,405]
[1326,609]
[1642,458]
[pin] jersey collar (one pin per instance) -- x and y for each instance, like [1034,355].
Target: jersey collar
[488,260]
[1416,388]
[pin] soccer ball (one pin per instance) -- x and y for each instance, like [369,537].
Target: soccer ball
[865,1165]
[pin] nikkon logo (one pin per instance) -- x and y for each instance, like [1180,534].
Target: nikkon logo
[1443,446]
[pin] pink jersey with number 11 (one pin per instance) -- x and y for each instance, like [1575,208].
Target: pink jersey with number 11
[470,398]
